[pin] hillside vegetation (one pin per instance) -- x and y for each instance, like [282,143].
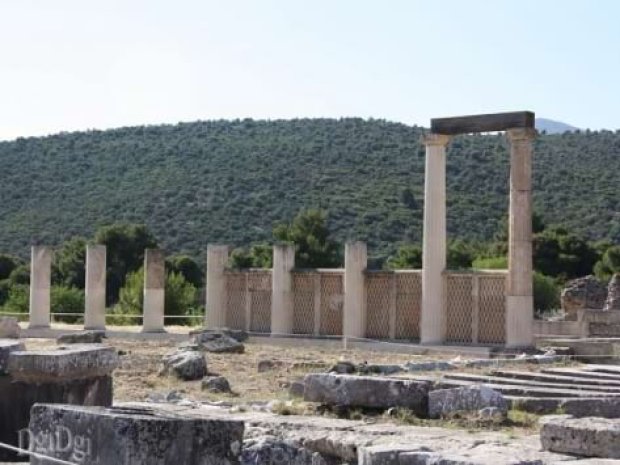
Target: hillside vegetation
[231,181]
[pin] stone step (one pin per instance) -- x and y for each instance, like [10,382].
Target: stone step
[589,437]
[613,369]
[551,378]
[605,407]
[530,382]
[578,372]
[515,390]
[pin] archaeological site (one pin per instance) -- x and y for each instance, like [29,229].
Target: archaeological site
[302,365]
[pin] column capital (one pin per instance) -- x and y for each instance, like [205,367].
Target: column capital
[521,134]
[435,139]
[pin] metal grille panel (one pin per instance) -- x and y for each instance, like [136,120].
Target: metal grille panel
[379,298]
[492,311]
[332,299]
[303,302]
[408,304]
[236,299]
[259,289]
[459,308]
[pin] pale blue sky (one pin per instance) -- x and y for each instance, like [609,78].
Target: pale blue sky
[79,64]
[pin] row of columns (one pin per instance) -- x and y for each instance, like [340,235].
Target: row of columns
[95,288]
[282,319]
[519,287]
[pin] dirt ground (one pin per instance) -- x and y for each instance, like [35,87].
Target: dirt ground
[138,375]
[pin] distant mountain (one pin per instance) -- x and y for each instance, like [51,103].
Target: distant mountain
[553,127]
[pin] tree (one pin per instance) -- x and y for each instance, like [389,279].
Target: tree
[125,252]
[460,255]
[68,267]
[7,264]
[560,254]
[187,267]
[259,256]
[309,233]
[609,264]
[408,256]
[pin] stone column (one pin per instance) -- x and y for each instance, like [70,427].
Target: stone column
[433,311]
[40,284]
[154,297]
[217,259]
[354,311]
[94,312]
[519,288]
[282,289]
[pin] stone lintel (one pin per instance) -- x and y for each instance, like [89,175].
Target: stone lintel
[483,123]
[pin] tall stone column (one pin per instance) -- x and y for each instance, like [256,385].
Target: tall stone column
[282,289]
[354,311]
[154,297]
[519,288]
[40,284]
[433,311]
[94,312]
[215,314]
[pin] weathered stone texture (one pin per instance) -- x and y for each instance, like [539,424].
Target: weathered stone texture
[588,437]
[82,337]
[582,293]
[9,327]
[140,436]
[366,391]
[218,342]
[7,346]
[613,293]
[63,364]
[187,365]
[464,399]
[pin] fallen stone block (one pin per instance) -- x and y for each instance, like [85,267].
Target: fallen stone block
[444,402]
[9,327]
[82,337]
[366,391]
[7,346]
[186,365]
[237,334]
[134,436]
[218,343]
[269,450]
[64,363]
[216,384]
[430,366]
[587,437]
[79,376]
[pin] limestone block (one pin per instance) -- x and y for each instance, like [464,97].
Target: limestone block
[137,436]
[9,327]
[464,399]
[82,337]
[6,347]
[63,364]
[588,437]
[582,293]
[237,334]
[613,293]
[218,343]
[366,391]
[187,365]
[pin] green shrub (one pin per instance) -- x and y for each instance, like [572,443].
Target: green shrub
[64,299]
[180,300]
[18,300]
[490,263]
[546,293]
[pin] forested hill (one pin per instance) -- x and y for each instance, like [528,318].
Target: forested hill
[230,181]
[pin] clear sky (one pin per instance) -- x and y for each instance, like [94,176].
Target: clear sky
[80,64]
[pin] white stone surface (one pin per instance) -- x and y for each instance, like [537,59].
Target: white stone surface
[40,283]
[282,289]
[354,310]
[217,259]
[95,292]
[154,294]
